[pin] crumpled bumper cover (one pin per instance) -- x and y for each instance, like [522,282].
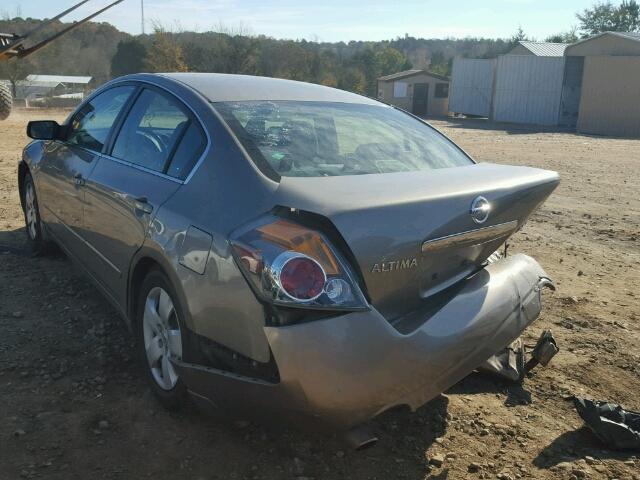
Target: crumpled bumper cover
[347,369]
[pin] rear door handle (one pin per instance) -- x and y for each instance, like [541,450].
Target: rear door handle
[79,179]
[142,204]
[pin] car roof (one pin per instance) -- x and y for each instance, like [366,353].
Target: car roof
[222,87]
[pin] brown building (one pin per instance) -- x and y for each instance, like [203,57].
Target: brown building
[604,73]
[418,91]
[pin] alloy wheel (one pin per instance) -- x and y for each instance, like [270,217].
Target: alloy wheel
[31,212]
[162,337]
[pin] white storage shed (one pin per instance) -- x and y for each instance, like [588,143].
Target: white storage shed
[472,86]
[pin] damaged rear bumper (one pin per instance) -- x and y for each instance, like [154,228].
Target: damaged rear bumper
[345,370]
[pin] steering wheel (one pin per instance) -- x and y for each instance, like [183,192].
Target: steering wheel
[148,150]
[155,139]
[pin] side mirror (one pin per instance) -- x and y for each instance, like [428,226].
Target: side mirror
[43,130]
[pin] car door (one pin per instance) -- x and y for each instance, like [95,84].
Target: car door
[69,162]
[146,163]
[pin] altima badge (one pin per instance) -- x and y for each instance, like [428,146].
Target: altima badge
[393,265]
[480,208]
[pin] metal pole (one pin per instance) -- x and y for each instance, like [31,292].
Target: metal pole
[142,15]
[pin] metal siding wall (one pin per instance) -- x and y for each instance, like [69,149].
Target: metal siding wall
[472,86]
[528,89]
[610,101]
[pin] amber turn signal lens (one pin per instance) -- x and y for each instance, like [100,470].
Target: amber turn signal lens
[299,239]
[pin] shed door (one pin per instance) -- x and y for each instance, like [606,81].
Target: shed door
[420,98]
[571,90]
[472,86]
[528,89]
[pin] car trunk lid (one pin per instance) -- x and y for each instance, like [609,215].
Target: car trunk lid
[412,234]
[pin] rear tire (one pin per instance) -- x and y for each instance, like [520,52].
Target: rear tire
[33,223]
[159,337]
[6,101]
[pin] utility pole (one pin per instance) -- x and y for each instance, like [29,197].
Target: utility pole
[142,15]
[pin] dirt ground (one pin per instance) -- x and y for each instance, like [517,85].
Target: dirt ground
[73,403]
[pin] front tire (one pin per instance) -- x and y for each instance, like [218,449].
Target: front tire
[159,335]
[6,100]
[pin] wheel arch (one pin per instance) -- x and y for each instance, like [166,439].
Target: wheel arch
[146,260]
[23,169]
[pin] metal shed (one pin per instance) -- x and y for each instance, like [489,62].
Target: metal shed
[592,85]
[420,92]
[472,86]
[66,79]
[34,86]
[523,86]
[528,89]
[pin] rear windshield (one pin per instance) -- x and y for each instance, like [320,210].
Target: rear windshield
[315,139]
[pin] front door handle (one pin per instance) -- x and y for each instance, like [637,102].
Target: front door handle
[79,179]
[142,205]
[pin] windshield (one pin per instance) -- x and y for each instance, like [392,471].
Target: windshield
[315,139]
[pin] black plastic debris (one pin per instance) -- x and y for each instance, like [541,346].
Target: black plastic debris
[545,349]
[614,426]
[511,363]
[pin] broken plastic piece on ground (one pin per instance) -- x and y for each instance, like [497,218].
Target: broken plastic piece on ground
[507,363]
[614,426]
[510,363]
[545,349]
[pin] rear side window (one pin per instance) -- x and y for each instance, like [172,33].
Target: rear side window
[90,126]
[152,131]
[188,152]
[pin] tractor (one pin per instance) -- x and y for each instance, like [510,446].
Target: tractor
[13,46]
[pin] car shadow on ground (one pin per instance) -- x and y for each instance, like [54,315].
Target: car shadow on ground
[14,242]
[576,444]
[516,393]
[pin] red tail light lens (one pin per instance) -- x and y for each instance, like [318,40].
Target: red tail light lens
[302,278]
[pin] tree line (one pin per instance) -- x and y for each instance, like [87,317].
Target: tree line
[353,66]
[101,51]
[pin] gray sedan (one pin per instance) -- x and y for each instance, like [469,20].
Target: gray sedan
[285,248]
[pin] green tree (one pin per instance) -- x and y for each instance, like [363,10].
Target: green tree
[165,54]
[353,79]
[606,17]
[16,69]
[367,63]
[519,36]
[391,61]
[570,36]
[130,57]
[440,63]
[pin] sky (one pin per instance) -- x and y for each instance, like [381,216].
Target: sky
[330,20]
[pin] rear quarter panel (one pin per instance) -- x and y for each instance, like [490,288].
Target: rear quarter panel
[224,192]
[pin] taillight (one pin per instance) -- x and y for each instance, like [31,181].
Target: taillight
[299,276]
[292,265]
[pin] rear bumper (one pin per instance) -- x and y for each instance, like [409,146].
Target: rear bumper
[345,370]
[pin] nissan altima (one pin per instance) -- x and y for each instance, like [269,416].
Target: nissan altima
[284,248]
